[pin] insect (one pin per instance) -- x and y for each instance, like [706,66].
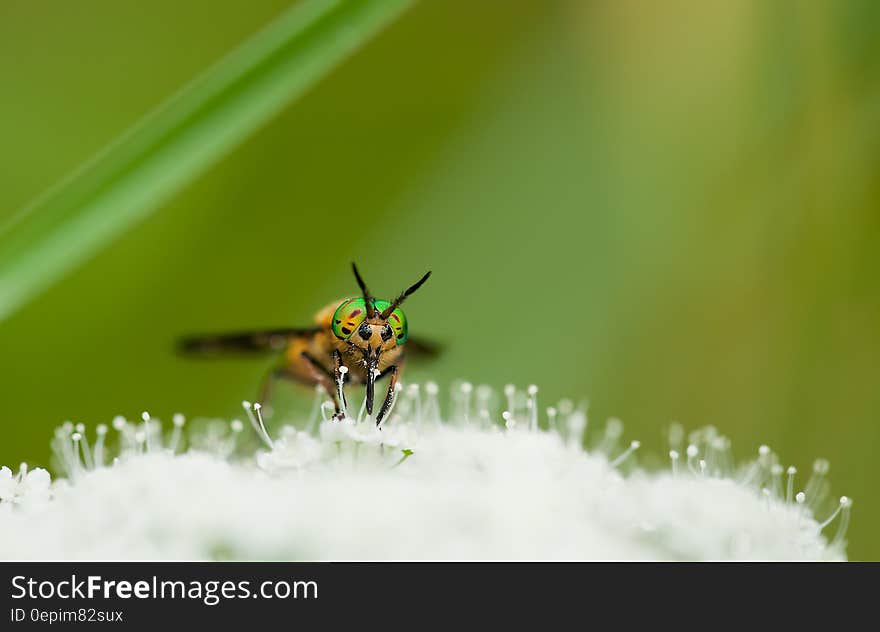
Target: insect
[356,340]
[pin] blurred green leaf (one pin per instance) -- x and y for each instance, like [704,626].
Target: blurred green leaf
[179,140]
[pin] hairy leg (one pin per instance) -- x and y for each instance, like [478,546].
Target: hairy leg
[389,396]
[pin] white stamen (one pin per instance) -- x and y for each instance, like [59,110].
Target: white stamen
[257,421]
[414,402]
[776,471]
[613,432]
[316,412]
[84,445]
[394,395]
[840,534]
[816,489]
[674,456]
[340,389]
[532,404]
[692,452]
[509,421]
[633,446]
[75,437]
[510,394]
[551,418]
[577,428]
[258,408]
[431,409]
[484,397]
[177,421]
[101,431]
[844,501]
[463,412]
[789,485]
[361,418]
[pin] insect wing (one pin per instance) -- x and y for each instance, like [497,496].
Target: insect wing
[266,340]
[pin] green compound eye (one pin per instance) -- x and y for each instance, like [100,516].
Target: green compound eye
[348,316]
[397,320]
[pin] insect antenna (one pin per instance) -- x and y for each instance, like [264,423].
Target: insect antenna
[372,312]
[412,288]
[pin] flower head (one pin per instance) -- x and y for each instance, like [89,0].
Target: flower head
[476,483]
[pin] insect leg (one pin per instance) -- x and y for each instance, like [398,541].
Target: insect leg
[323,377]
[389,396]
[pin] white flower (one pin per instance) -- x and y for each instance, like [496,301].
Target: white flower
[27,488]
[419,488]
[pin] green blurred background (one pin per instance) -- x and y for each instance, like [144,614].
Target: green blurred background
[669,208]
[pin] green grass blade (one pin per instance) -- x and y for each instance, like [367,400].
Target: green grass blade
[179,141]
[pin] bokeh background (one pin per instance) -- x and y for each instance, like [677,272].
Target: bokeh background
[668,208]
